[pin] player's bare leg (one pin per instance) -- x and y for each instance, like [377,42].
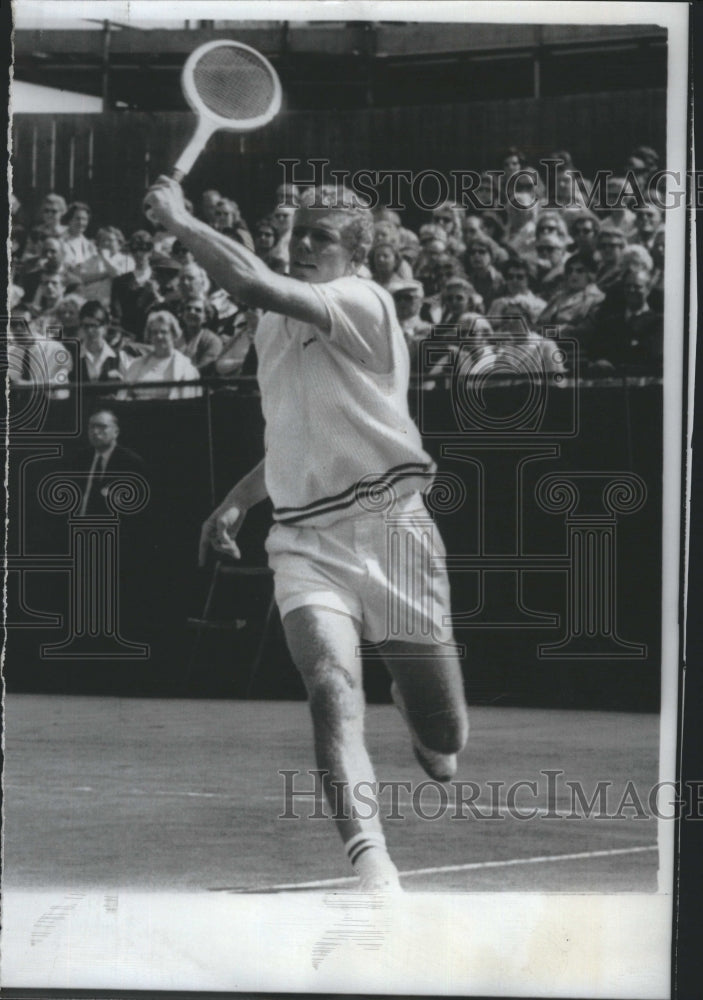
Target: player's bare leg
[323,645]
[428,689]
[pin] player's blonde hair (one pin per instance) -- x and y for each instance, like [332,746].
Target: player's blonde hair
[357,235]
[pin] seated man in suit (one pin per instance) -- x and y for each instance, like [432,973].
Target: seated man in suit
[628,336]
[104,458]
[105,466]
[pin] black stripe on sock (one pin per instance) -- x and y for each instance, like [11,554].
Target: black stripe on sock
[360,849]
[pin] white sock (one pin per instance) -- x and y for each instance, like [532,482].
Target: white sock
[370,859]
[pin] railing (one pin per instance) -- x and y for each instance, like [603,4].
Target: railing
[559,500]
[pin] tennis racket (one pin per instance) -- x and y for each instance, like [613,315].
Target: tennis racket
[231,87]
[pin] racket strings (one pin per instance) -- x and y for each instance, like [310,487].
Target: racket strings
[234,83]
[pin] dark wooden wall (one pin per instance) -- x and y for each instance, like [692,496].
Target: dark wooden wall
[107,160]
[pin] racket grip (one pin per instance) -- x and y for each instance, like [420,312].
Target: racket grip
[177,175]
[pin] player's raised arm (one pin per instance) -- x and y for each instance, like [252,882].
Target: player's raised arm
[241,273]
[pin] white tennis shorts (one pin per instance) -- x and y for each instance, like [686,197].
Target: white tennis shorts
[385,569]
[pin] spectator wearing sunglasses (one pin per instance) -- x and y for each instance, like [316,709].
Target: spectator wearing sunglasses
[98,361]
[478,264]
[583,230]
[198,342]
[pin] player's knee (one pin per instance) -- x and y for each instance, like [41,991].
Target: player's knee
[333,692]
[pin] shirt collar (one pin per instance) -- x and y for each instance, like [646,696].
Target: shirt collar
[107,352]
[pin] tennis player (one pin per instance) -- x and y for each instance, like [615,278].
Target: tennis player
[333,371]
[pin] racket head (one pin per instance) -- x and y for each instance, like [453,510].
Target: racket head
[231,85]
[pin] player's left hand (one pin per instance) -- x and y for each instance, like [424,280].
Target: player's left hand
[164,202]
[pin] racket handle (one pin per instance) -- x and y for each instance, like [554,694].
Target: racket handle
[177,175]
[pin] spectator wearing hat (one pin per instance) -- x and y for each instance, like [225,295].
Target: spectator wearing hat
[407,297]
[484,277]
[571,306]
[163,363]
[77,248]
[551,223]
[517,282]
[166,271]
[197,341]
[135,293]
[99,362]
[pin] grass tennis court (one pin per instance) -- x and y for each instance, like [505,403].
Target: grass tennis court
[179,795]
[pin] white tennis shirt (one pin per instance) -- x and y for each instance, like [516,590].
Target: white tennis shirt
[336,408]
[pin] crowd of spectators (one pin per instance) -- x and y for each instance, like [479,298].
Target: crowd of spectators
[525,274]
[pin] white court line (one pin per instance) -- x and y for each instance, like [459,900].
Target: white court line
[470,866]
[151,792]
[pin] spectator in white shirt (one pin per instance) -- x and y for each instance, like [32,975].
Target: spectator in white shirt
[77,248]
[164,363]
[98,361]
